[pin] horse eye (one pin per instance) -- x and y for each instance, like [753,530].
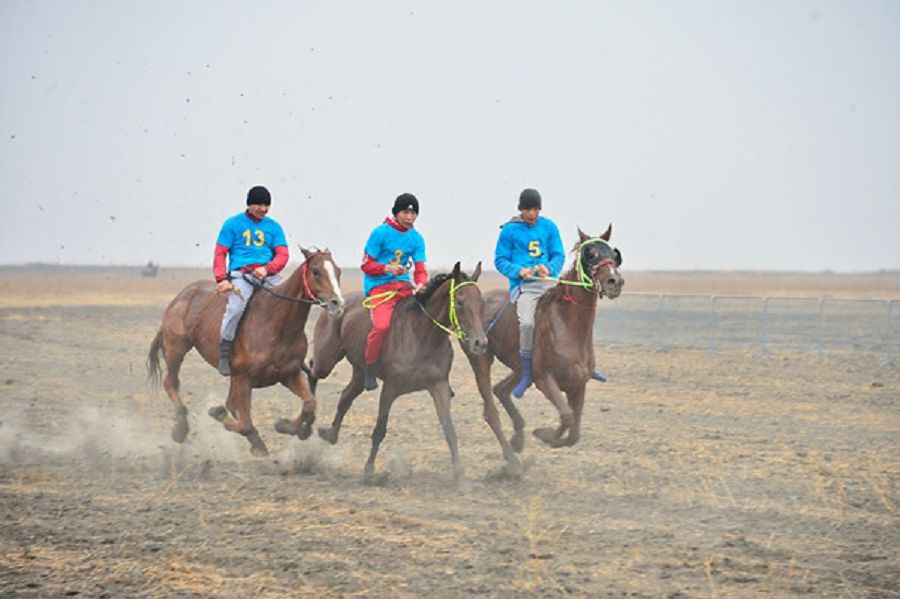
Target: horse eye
[315,272]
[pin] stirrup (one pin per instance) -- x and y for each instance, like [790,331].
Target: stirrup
[598,376]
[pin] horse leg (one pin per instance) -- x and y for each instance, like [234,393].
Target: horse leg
[174,356]
[350,392]
[549,435]
[385,401]
[239,403]
[502,391]
[576,402]
[302,424]
[481,366]
[440,394]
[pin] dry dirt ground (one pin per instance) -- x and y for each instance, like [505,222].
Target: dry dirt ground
[725,475]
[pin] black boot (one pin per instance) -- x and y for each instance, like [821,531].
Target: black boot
[370,382]
[225,357]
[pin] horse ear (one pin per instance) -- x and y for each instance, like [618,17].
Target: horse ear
[477,272]
[455,273]
[582,236]
[306,252]
[608,234]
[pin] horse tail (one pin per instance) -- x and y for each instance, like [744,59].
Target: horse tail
[154,372]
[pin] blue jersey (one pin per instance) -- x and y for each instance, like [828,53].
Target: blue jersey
[387,245]
[521,245]
[250,242]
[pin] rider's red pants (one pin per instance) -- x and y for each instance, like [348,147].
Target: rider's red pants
[381,321]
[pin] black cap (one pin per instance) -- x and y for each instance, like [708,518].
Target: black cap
[405,201]
[258,195]
[529,198]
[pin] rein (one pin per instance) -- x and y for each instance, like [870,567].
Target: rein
[456,330]
[304,270]
[373,301]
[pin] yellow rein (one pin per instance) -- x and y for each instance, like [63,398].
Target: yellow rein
[583,279]
[373,301]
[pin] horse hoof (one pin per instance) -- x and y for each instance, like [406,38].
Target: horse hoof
[547,435]
[218,412]
[304,431]
[259,451]
[180,431]
[517,441]
[285,427]
[328,435]
[514,468]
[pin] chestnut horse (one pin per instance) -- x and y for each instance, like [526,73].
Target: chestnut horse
[269,348]
[563,344]
[416,355]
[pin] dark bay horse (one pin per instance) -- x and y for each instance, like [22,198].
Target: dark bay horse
[269,348]
[563,343]
[416,355]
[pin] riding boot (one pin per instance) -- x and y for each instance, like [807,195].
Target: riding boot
[225,357]
[370,382]
[525,382]
[598,376]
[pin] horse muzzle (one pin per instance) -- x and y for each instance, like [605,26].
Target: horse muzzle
[610,281]
[478,345]
[334,306]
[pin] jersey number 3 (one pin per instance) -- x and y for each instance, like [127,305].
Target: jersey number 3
[248,238]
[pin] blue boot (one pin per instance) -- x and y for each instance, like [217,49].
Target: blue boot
[598,376]
[525,382]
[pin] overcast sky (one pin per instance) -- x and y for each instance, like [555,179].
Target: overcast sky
[712,135]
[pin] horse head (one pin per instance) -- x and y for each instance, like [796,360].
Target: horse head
[322,280]
[601,262]
[470,309]
[462,306]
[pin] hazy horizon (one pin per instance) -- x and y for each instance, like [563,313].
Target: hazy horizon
[723,136]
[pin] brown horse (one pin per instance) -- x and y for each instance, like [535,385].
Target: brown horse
[563,343]
[269,348]
[416,355]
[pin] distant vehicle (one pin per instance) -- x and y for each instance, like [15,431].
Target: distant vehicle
[150,270]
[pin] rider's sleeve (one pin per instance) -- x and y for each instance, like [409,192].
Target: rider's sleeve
[219,262]
[278,261]
[556,255]
[503,258]
[420,276]
[370,267]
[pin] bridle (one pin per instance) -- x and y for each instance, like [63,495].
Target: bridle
[304,277]
[454,328]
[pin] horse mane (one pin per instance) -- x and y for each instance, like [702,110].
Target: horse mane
[430,287]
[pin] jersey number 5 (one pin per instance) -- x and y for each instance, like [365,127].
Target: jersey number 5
[534,248]
[248,238]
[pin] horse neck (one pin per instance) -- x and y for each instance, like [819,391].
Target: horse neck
[285,312]
[438,308]
[577,304]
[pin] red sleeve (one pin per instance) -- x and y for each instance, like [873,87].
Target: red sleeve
[420,276]
[370,267]
[219,263]
[278,261]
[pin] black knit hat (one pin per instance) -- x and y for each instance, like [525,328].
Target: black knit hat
[258,195]
[529,198]
[405,201]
